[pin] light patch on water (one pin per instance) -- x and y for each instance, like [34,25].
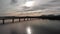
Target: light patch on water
[28,30]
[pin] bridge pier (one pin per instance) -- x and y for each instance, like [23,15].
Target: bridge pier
[30,18]
[19,19]
[27,19]
[13,20]
[24,19]
[3,21]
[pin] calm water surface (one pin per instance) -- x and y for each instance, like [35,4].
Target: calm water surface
[37,26]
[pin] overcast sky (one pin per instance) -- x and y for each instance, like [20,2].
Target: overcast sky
[8,7]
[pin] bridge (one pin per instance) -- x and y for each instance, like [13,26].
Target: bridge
[15,17]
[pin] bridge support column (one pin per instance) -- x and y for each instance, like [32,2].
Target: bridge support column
[30,18]
[19,19]
[3,21]
[13,20]
[24,19]
[27,19]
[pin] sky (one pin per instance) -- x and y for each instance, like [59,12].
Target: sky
[17,7]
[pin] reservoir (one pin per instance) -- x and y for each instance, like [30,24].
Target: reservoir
[35,26]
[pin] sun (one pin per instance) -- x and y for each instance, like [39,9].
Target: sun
[29,4]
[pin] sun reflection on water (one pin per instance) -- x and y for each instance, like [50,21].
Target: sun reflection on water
[28,30]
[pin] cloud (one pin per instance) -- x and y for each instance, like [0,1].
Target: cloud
[40,5]
[11,6]
[45,4]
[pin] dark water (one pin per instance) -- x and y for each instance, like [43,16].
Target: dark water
[37,26]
